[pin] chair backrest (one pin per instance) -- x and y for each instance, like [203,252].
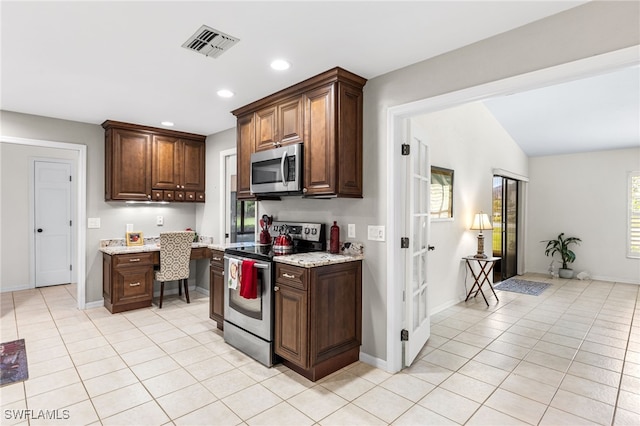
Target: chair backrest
[175,253]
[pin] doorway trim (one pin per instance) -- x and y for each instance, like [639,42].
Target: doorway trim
[223,196]
[80,204]
[396,115]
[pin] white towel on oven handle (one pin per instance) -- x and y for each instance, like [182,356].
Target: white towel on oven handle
[234,273]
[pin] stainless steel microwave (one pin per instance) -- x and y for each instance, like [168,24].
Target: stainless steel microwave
[277,171]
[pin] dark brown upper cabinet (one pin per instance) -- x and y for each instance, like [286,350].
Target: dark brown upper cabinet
[147,163]
[325,114]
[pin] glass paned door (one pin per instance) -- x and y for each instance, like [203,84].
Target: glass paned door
[417,219]
[505,227]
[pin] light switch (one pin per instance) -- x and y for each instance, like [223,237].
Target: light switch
[352,230]
[93,222]
[159,220]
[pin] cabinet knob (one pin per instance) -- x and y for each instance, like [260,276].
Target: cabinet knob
[304,190]
[177,186]
[149,196]
[182,186]
[276,288]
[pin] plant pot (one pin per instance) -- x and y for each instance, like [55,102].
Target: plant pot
[565,273]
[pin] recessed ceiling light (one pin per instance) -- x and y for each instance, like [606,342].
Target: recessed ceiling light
[280,65]
[224,93]
[167,123]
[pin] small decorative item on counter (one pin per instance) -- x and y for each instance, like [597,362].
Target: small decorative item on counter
[135,239]
[195,235]
[265,236]
[334,239]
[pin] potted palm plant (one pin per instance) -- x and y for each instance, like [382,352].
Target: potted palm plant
[561,245]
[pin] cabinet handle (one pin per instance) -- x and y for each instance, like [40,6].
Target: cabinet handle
[217,259]
[288,275]
[134,260]
[134,284]
[276,288]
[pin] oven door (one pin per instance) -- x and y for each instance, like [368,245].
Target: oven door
[252,315]
[277,170]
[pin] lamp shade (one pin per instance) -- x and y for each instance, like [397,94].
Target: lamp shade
[481,222]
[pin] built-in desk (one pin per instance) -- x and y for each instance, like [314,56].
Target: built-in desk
[127,275]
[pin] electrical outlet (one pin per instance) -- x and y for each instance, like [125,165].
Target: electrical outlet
[375,233]
[352,230]
[159,220]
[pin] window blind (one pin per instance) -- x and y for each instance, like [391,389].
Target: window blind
[633,245]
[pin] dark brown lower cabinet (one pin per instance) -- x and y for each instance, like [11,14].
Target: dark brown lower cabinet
[127,281]
[216,288]
[318,317]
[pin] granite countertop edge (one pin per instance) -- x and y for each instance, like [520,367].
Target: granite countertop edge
[312,260]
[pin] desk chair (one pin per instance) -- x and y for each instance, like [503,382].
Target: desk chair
[175,253]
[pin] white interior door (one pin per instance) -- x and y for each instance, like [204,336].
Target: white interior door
[52,223]
[230,199]
[418,178]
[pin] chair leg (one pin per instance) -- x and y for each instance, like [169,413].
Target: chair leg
[179,287]
[186,290]
[161,294]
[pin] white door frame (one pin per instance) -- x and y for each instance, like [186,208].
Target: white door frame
[80,205]
[223,189]
[395,115]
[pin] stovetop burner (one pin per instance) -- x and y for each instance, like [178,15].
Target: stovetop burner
[307,237]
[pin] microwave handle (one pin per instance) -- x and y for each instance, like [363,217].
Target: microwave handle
[284,158]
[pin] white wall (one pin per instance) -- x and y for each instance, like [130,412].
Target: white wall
[469,140]
[585,196]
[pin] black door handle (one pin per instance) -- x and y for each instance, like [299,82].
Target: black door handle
[39,229]
[431,248]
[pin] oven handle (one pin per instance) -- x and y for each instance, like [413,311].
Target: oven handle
[255,265]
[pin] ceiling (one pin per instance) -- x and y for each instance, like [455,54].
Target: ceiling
[93,61]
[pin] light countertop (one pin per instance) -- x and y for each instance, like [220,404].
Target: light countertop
[319,258]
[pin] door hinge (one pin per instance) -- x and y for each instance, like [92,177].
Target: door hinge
[71,267]
[404,242]
[404,335]
[406,149]
[70,180]
[70,223]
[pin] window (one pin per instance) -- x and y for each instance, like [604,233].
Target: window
[441,201]
[633,245]
[244,226]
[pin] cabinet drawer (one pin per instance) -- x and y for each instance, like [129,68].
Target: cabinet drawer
[291,275]
[200,198]
[217,258]
[133,259]
[190,196]
[134,285]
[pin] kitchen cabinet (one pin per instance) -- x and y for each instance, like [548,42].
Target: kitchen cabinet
[127,281]
[329,107]
[318,317]
[246,137]
[216,288]
[147,163]
[279,124]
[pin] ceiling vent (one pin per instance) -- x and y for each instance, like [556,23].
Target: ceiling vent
[210,42]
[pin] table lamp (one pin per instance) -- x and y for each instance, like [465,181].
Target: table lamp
[480,223]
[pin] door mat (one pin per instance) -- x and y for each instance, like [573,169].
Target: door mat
[532,288]
[13,360]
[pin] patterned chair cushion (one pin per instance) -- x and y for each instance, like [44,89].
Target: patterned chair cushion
[175,253]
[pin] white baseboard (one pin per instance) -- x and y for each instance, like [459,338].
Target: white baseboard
[96,304]
[22,287]
[373,361]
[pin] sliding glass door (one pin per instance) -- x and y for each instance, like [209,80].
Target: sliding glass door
[505,227]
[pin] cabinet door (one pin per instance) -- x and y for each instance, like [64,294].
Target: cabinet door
[291,325]
[245,146]
[266,128]
[216,296]
[336,310]
[193,166]
[129,165]
[290,121]
[319,142]
[133,284]
[165,163]
[349,144]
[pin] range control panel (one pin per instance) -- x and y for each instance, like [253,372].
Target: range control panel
[299,231]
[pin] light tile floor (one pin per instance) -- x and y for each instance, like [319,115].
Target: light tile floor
[569,356]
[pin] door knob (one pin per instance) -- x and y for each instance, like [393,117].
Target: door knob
[431,248]
[39,229]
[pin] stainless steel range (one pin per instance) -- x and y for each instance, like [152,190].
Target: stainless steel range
[248,323]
